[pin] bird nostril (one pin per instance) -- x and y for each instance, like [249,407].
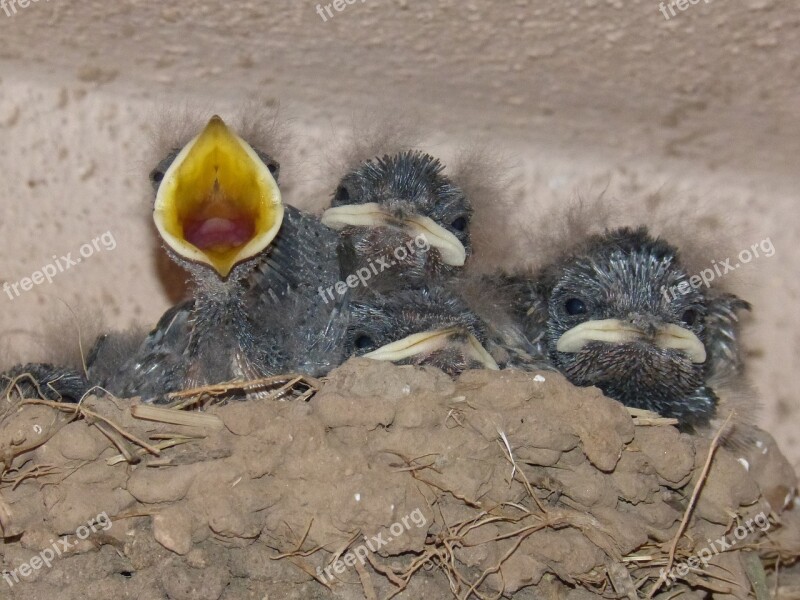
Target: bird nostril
[646,324]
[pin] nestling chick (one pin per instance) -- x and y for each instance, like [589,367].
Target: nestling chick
[256,263]
[424,326]
[386,203]
[217,209]
[605,320]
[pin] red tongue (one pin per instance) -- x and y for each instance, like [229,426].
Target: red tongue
[218,233]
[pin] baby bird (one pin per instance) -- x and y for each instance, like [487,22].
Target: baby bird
[607,316]
[423,326]
[257,265]
[404,219]
[217,208]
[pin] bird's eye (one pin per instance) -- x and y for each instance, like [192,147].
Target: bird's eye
[342,195]
[689,317]
[156,175]
[272,165]
[575,306]
[460,224]
[362,342]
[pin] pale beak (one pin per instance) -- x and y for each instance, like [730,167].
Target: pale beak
[218,204]
[615,331]
[428,342]
[373,214]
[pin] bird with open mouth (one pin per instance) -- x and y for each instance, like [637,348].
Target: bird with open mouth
[426,326]
[219,211]
[603,319]
[406,221]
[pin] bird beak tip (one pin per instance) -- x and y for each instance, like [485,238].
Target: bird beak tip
[616,331]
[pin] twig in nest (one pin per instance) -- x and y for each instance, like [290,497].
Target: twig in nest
[690,509]
[646,418]
[754,570]
[171,441]
[517,471]
[33,473]
[194,395]
[366,581]
[507,447]
[92,418]
[13,386]
[89,415]
[297,551]
[175,417]
[9,453]
[301,564]
[5,513]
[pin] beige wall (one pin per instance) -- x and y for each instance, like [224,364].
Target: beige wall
[581,96]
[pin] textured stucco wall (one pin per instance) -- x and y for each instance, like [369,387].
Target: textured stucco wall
[581,95]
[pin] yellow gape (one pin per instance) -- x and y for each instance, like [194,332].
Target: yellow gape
[218,203]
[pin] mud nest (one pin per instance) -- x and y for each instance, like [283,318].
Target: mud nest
[388,482]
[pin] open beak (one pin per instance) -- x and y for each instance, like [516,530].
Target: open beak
[218,203]
[615,331]
[428,342]
[373,214]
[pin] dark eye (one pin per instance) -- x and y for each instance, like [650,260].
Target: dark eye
[362,342]
[689,317]
[157,174]
[460,224]
[575,306]
[273,165]
[342,195]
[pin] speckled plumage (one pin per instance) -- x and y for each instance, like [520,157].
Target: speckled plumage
[404,184]
[626,274]
[379,319]
[264,318]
